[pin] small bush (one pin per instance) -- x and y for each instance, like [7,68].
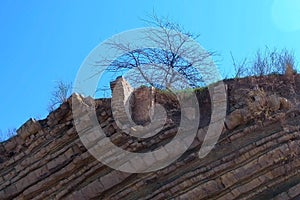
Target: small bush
[272,62]
[240,69]
[9,133]
[60,94]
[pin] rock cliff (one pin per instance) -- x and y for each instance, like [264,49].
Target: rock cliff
[256,157]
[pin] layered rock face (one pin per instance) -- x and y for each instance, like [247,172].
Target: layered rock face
[256,158]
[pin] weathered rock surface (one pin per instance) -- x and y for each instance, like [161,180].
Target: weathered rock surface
[47,160]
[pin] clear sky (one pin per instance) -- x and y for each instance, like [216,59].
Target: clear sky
[45,41]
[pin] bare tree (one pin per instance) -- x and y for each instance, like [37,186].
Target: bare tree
[60,94]
[172,64]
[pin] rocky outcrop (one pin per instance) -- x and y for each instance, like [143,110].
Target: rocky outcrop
[259,106]
[47,159]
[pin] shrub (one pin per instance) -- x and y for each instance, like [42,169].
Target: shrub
[60,94]
[9,133]
[272,62]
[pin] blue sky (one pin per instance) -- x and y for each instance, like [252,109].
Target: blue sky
[45,41]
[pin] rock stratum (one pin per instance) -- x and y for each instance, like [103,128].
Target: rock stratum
[256,157]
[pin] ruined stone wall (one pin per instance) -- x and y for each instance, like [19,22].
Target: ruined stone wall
[47,160]
[130,102]
[142,105]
